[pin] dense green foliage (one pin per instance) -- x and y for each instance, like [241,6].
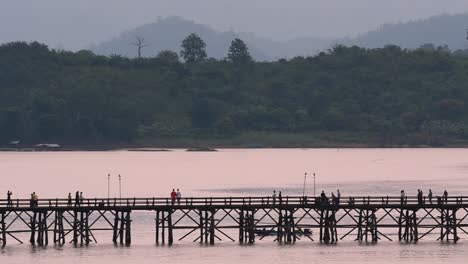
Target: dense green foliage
[388,95]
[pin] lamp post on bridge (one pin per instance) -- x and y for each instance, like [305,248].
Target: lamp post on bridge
[314,185]
[108,186]
[303,187]
[120,186]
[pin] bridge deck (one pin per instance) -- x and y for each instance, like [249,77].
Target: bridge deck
[208,219]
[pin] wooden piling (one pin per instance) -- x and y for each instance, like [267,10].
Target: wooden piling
[157,226]
[241,226]
[32,240]
[115,227]
[128,229]
[3,228]
[212,227]
[170,238]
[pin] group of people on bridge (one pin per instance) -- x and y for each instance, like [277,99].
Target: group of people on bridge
[421,200]
[176,196]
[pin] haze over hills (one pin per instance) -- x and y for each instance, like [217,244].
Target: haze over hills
[168,33]
[439,30]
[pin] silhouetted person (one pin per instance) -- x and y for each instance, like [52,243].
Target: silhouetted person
[274,197]
[323,198]
[402,197]
[35,200]
[179,196]
[280,198]
[81,198]
[69,200]
[333,198]
[9,203]
[445,196]
[430,196]
[420,197]
[31,201]
[77,198]
[338,197]
[173,196]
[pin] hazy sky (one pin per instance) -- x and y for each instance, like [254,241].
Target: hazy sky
[74,24]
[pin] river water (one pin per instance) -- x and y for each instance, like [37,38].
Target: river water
[233,172]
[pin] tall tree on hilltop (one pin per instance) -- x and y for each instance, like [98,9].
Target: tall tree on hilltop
[139,44]
[239,52]
[193,49]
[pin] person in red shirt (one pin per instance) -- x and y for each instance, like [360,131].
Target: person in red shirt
[173,196]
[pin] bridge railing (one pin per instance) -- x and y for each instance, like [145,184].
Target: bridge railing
[229,201]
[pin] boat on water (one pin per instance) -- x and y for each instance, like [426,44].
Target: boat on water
[274,232]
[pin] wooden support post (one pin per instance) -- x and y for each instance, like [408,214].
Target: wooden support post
[86,227]
[252,227]
[59,233]
[280,232]
[455,226]
[3,229]
[32,240]
[163,227]
[326,235]
[359,227]
[128,229]
[407,226]
[293,225]
[82,228]
[400,225]
[415,226]
[115,227]
[45,229]
[170,238]
[366,226]
[75,227]
[39,230]
[212,227]
[122,227]
[157,226]
[442,224]
[321,225]
[241,226]
[205,229]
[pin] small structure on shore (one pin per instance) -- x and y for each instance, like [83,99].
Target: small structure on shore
[201,149]
[47,146]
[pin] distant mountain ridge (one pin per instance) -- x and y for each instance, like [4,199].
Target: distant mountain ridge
[168,33]
[439,30]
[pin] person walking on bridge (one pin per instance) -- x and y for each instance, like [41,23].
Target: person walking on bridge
[173,196]
[9,203]
[274,197]
[179,196]
[35,199]
[429,196]
[445,196]
[420,197]
[69,203]
[77,198]
[338,197]
[402,197]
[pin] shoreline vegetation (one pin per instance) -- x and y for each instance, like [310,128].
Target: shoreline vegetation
[247,141]
[345,97]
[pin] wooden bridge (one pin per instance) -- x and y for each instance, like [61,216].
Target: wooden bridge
[211,219]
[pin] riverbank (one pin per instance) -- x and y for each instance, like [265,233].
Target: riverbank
[255,140]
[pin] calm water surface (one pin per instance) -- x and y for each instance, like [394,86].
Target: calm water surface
[235,172]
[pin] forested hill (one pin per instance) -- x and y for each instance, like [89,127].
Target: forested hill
[437,30]
[382,96]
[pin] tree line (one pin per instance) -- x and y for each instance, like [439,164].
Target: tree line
[389,95]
